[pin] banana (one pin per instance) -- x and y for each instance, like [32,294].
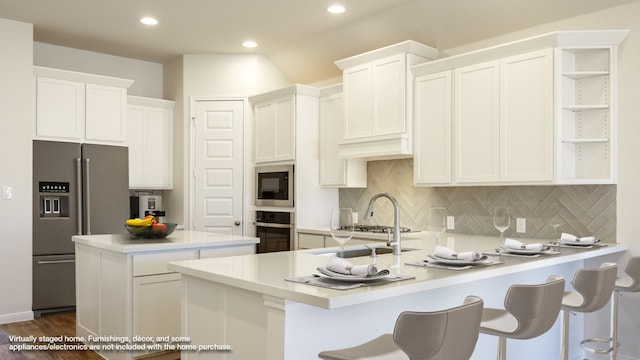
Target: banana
[147,221]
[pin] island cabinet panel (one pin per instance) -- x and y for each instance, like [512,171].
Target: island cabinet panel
[124,287]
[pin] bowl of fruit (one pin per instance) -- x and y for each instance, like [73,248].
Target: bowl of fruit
[149,228]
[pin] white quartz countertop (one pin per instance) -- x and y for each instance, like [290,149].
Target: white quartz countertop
[179,239]
[265,273]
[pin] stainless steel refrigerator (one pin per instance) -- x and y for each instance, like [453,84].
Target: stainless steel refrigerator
[77,189]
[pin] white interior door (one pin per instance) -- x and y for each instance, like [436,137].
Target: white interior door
[218,166]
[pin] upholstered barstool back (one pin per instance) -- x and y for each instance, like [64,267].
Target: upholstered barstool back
[449,334]
[530,311]
[593,289]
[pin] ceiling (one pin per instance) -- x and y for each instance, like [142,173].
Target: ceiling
[298,36]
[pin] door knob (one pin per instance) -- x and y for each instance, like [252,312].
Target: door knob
[237,222]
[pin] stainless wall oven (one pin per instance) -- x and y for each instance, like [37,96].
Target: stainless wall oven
[275,230]
[274,185]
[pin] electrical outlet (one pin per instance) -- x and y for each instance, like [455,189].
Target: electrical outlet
[451,223]
[521,225]
[355,217]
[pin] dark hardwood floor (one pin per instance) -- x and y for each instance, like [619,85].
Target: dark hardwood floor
[58,324]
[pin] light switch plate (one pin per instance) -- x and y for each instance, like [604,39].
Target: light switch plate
[7,192]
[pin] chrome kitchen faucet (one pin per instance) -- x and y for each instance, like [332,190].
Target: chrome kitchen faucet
[395,245]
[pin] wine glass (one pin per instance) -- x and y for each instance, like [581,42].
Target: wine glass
[342,226]
[437,221]
[501,220]
[555,222]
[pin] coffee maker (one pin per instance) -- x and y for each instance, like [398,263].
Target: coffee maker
[148,205]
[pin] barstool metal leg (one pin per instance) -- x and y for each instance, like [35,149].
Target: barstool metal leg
[564,351]
[502,348]
[613,340]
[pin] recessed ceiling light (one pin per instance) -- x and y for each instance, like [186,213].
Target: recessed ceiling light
[336,9]
[249,44]
[149,21]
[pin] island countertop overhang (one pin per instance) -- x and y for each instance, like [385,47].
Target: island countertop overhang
[265,273]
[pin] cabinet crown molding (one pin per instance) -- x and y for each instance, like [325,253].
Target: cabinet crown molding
[407,47]
[297,89]
[576,38]
[145,101]
[81,77]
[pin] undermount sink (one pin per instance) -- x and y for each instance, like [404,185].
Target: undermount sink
[357,252]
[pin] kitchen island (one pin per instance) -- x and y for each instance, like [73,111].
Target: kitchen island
[124,289]
[244,304]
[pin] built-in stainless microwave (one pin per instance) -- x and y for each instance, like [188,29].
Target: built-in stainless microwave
[274,185]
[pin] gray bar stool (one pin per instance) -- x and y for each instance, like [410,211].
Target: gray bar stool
[628,283]
[440,335]
[593,291]
[529,311]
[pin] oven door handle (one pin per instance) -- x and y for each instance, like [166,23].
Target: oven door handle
[274,225]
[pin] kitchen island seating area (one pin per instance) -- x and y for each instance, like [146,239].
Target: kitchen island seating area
[449,334]
[593,289]
[529,311]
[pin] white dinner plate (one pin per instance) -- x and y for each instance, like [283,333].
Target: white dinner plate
[577,244]
[437,259]
[352,278]
[522,251]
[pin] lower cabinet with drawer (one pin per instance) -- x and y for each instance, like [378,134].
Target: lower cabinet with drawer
[134,295]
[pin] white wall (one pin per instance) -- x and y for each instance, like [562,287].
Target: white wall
[221,76]
[16,120]
[148,76]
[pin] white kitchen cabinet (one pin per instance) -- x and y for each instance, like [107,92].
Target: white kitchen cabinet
[79,107]
[60,109]
[275,129]
[106,113]
[150,141]
[504,120]
[586,114]
[310,241]
[526,118]
[433,117]
[336,171]
[378,97]
[477,123]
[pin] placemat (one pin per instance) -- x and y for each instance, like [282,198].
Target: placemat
[341,285]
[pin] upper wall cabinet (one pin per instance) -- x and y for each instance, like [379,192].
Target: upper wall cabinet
[335,171]
[78,107]
[275,116]
[150,141]
[378,100]
[545,116]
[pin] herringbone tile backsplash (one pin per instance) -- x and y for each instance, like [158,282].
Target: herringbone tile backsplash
[586,209]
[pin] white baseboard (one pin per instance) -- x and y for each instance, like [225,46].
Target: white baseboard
[16,317]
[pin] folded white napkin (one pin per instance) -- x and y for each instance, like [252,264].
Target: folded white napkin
[342,266]
[446,253]
[517,245]
[568,238]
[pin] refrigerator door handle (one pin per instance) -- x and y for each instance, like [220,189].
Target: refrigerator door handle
[47,262]
[87,198]
[79,193]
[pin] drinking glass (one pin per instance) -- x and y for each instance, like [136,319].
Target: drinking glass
[437,221]
[342,226]
[555,222]
[501,220]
